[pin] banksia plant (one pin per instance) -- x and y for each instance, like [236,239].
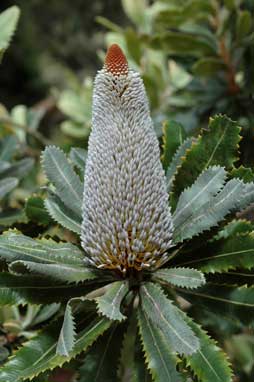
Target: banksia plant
[151,247]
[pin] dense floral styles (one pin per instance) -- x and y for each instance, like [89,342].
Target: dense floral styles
[126,216]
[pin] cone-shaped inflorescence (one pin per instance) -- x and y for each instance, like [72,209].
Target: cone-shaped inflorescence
[126,217]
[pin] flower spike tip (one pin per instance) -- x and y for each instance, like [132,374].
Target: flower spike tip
[115,61]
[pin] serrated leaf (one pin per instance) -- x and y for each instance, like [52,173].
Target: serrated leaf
[36,211]
[78,157]
[110,303]
[15,246]
[100,364]
[209,363]
[8,23]
[236,251]
[244,173]
[158,355]
[218,145]
[168,318]
[39,354]
[67,335]
[235,227]
[177,160]
[228,301]
[181,277]
[61,214]
[235,196]
[7,185]
[173,136]
[24,289]
[62,272]
[207,185]
[67,183]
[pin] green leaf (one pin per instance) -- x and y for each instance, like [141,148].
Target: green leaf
[8,147]
[181,277]
[8,23]
[243,24]
[67,335]
[133,44]
[110,303]
[78,157]
[10,216]
[7,185]
[15,246]
[36,211]
[168,318]
[235,227]
[246,174]
[235,196]
[158,355]
[100,364]
[33,289]
[39,354]
[19,169]
[233,278]
[67,183]
[173,136]
[183,44]
[135,10]
[73,105]
[208,66]
[62,272]
[209,363]
[216,146]
[236,251]
[75,130]
[62,214]
[108,24]
[45,313]
[177,159]
[207,185]
[237,302]
[127,367]
[183,13]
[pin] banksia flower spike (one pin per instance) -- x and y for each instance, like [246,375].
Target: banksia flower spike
[126,216]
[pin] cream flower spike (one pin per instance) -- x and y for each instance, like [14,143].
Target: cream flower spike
[126,217]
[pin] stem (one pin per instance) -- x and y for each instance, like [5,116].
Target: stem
[224,53]
[230,73]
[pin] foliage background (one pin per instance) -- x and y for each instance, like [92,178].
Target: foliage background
[46,83]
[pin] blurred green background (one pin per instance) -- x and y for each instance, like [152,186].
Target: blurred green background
[52,37]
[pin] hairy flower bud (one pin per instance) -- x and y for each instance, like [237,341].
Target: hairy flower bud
[126,216]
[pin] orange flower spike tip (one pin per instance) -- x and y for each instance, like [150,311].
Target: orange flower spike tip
[115,61]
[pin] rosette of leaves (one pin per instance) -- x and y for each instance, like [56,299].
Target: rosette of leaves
[144,325]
